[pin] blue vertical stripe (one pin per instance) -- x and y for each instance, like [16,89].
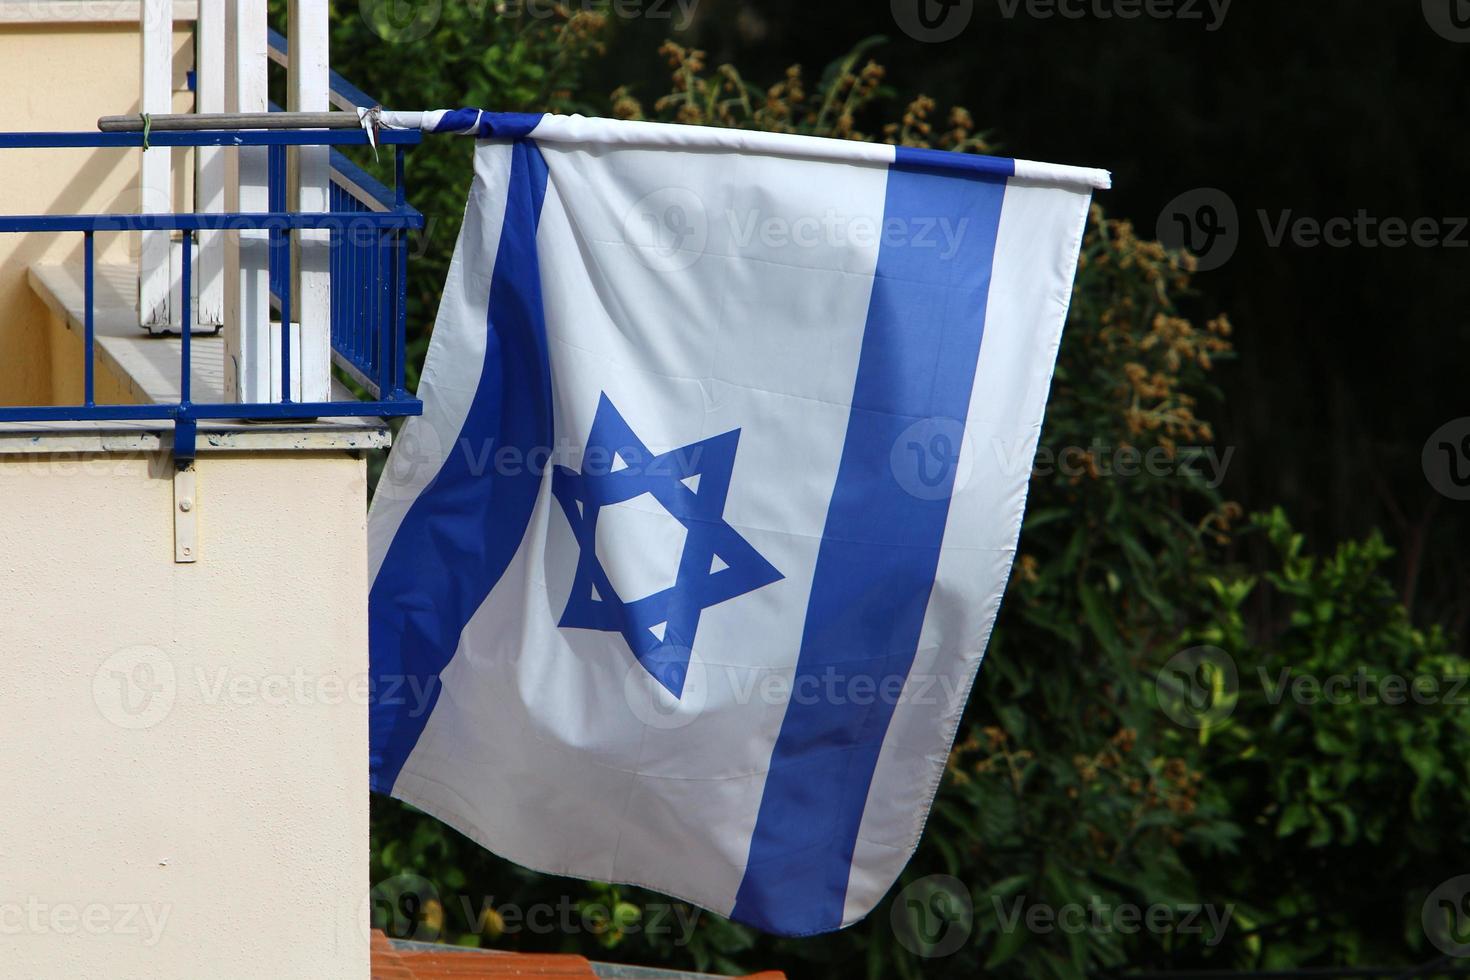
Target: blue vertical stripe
[460,535]
[880,547]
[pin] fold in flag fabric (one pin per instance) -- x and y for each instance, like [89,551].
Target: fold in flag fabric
[684,576]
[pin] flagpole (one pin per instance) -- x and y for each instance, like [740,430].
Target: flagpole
[177,122]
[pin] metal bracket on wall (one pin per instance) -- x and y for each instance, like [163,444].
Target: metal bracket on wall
[186,515]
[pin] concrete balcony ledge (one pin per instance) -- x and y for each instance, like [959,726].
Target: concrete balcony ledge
[134,367]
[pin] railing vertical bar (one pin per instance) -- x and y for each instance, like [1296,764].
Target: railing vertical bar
[384,312]
[354,315]
[286,328]
[380,309]
[390,311]
[365,257]
[334,277]
[279,264]
[400,192]
[186,320]
[89,316]
[365,288]
[400,326]
[347,330]
[372,259]
[354,310]
[365,252]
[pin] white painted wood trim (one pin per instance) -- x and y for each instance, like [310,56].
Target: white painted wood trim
[209,181]
[155,186]
[248,336]
[308,180]
[338,101]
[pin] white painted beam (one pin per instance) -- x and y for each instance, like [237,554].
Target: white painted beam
[248,334]
[209,180]
[308,176]
[155,189]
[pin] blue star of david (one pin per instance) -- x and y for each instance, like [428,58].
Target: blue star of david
[717,563]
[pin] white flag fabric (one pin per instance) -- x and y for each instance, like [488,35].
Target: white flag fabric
[684,576]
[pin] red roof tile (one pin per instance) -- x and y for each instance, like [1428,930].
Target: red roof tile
[390,963]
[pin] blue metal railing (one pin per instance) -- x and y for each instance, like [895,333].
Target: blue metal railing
[357,263]
[279,263]
[369,249]
[360,265]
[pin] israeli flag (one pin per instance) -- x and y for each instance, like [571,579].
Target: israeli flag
[684,576]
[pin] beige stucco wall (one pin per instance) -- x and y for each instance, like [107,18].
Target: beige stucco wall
[63,76]
[185,766]
[63,353]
